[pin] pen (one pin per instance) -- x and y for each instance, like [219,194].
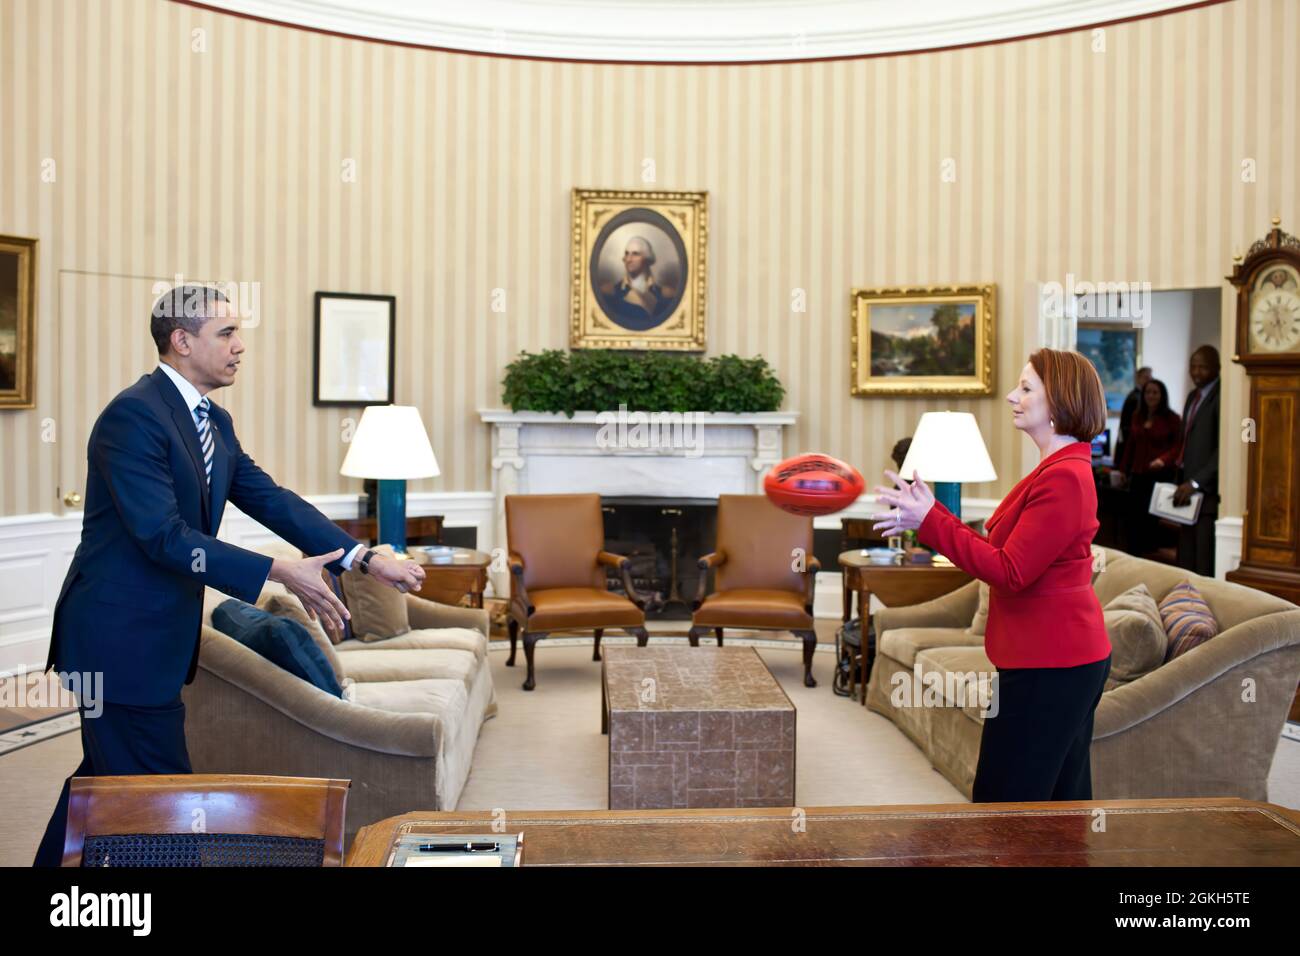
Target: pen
[457,847]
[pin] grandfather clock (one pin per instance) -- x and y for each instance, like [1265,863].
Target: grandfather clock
[1268,347]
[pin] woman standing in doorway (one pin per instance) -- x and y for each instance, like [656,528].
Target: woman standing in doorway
[1045,633]
[1154,433]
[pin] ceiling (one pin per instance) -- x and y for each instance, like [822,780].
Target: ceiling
[693,31]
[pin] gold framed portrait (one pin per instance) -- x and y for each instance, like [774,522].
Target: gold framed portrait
[639,269]
[17,322]
[923,341]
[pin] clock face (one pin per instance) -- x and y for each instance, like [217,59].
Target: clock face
[1275,310]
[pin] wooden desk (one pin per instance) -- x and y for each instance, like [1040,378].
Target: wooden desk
[1192,832]
[896,585]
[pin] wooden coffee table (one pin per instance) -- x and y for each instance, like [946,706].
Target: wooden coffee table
[695,727]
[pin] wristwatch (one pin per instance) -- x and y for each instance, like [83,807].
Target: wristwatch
[363,565]
[1195,485]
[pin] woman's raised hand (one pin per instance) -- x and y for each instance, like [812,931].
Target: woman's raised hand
[909,505]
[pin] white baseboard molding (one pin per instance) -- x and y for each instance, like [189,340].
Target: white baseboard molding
[1227,545]
[36,549]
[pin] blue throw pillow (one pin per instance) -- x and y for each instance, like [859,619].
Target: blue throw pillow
[281,641]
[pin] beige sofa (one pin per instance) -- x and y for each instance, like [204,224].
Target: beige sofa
[405,737]
[1204,724]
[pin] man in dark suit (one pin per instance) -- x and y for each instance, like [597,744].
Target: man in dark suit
[163,460]
[1198,461]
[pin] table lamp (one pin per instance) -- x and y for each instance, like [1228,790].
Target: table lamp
[947,450]
[391,445]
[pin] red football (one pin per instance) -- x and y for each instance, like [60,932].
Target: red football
[813,485]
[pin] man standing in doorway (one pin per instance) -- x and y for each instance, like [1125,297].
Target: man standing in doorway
[1198,461]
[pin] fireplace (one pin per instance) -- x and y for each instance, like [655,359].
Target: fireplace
[664,538]
[547,453]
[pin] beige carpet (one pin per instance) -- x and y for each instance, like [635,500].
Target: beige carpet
[545,751]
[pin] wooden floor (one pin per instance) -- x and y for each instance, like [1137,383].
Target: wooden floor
[1194,832]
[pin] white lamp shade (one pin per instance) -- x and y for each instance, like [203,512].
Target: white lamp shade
[948,446]
[390,443]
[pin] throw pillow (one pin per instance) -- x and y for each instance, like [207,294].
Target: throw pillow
[981,618]
[378,611]
[1139,599]
[1188,620]
[288,606]
[1138,645]
[281,641]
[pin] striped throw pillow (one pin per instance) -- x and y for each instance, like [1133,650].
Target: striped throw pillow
[1187,618]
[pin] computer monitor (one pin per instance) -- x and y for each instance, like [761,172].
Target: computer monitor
[1101,444]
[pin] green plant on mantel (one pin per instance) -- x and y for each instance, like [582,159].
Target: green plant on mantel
[603,379]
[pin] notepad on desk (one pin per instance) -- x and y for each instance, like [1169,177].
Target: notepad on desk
[495,849]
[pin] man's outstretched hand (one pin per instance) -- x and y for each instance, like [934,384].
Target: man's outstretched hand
[302,576]
[404,575]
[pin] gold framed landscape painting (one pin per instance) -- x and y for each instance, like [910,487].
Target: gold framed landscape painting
[17,321]
[923,341]
[639,269]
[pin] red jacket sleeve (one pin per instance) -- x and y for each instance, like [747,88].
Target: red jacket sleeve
[1049,521]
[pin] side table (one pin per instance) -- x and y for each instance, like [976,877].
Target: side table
[451,573]
[896,585]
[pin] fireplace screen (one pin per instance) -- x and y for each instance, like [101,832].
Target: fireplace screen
[664,538]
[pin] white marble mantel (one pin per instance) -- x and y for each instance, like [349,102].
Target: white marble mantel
[700,455]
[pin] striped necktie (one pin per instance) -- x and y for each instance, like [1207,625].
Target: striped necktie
[205,436]
[1192,408]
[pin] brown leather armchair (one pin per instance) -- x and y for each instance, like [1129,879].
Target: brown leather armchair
[557,573]
[758,582]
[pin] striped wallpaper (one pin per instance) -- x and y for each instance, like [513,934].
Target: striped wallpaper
[185,141]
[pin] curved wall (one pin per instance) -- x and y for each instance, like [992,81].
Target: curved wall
[1121,164]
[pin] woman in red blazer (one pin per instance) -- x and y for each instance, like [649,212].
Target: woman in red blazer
[1045,633]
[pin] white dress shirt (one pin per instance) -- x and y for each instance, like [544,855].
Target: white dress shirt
[190,395]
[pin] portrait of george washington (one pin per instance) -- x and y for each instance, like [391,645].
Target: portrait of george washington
[638,269]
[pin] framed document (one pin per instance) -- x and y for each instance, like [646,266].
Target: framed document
[354,349]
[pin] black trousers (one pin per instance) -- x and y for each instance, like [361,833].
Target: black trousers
[121,740]
[1037,746]
[1196,545]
